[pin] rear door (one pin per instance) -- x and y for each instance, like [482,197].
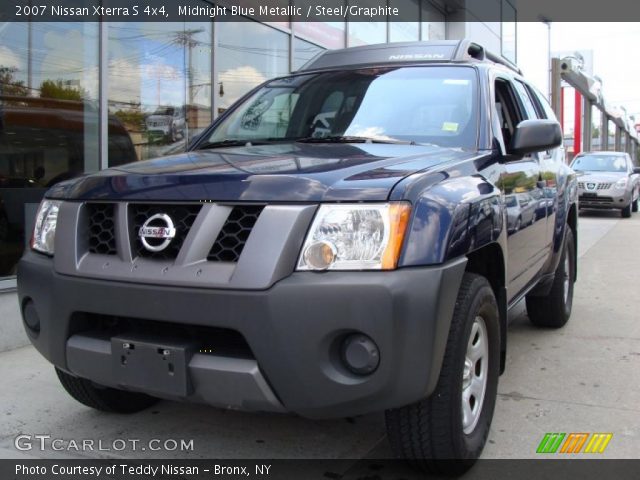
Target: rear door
[550,164]
[526,213]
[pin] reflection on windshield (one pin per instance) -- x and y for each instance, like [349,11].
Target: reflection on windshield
[600,163]
[436,105]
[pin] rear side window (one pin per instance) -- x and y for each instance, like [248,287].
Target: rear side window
[542,105]
[527,101]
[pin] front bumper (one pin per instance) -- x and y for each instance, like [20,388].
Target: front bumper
[610,198]
[291,328]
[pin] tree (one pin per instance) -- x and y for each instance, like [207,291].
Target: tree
[57,89]
[9,85]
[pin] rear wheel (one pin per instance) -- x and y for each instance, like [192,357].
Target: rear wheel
[446,432]
[101,398]
[554,310]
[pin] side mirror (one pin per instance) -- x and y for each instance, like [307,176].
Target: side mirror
[536,136]
[636,170]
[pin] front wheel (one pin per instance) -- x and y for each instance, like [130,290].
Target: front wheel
[626,211]
[634,204]
[446,432]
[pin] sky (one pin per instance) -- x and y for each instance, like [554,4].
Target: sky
[614,59]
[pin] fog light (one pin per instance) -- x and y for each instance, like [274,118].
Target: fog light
[30,316]
[360,354]
[320,255]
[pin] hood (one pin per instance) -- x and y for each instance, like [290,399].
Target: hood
[603,177]
[292,172]
[157,118]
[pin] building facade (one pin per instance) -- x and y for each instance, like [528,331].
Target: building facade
[80,97]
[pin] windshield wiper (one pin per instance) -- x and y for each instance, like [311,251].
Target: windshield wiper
[233,143]
[353,139]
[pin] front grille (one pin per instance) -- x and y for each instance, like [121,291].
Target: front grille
[101,235]
[599,186]
[182,216]
[596,199]
[234,234]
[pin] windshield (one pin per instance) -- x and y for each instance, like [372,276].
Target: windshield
[164,111]
[600,163]
[435,105]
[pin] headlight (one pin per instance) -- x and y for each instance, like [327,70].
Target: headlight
[355,237]
[622,183]
[44,232]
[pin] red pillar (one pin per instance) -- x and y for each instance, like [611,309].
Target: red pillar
[577,125]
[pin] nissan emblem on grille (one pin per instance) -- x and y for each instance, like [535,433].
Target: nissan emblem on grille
[157,232]
[591,186]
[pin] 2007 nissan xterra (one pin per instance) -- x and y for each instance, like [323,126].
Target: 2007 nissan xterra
[343,240]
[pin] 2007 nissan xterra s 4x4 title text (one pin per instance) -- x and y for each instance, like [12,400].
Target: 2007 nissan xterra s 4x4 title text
[343,240]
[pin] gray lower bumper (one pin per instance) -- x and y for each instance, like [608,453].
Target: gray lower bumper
[290,328]
[604,200]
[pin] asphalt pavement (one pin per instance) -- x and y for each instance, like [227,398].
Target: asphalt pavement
[582,378]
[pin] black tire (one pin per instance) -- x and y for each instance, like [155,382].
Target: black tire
[634,205]
[104,398]
[430,433]
[554,310]
[626,211]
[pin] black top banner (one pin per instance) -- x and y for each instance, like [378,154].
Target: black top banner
[315,10]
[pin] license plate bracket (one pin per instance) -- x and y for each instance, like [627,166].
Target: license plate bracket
[152,364]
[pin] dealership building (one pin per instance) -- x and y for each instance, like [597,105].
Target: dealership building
[80,97]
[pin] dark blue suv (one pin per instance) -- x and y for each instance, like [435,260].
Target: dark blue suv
[338,242]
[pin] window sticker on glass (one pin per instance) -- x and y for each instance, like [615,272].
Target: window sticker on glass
[449,127]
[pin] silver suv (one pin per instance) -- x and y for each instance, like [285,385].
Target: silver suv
[607,180]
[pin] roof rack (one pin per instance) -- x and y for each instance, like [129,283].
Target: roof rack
[467,49]
[433,51]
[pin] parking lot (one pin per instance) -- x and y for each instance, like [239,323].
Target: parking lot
[582,378]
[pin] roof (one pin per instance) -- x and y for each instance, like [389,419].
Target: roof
[406,52]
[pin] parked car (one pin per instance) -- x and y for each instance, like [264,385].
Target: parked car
[353,256]
[608,180]
[521,210]
[166,123]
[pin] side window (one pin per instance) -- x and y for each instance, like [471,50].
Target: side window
[508,110]
[529,106]
[544,105]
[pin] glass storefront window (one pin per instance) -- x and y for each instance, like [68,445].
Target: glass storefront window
[48,120]
[327,34]
[303,52]
[367,33]
[433,24]
[159,87]
[509,31]
[406,30]
[248,54]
